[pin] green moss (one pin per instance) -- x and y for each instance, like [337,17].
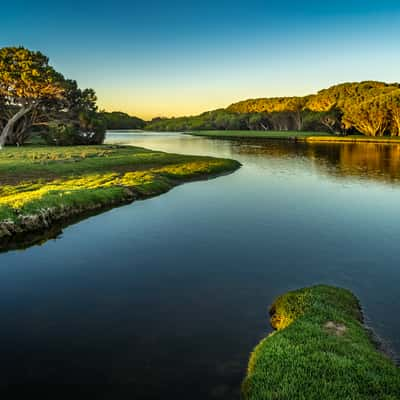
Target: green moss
[321,350]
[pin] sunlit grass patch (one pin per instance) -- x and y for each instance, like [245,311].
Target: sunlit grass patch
[191,168]
[18,196]
[39,178]
[320,351]
[44,162]
[77,198]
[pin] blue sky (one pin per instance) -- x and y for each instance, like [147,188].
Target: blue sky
[163,58]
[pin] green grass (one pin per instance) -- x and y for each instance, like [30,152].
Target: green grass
[56,161]
[300,136]
[320,350]
[39,178]
[257,134]
[76,199]
[6,213]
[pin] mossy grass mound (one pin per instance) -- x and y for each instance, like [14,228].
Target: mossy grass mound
[320,350]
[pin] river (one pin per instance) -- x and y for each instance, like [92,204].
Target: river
[168,296]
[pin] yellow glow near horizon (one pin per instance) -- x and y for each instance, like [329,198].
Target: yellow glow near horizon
[151,108]
[158,102]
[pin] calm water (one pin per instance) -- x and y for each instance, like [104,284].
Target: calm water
[169,295]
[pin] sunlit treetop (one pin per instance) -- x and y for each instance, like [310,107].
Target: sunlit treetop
[26,76]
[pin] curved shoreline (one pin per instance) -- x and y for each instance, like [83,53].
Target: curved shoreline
[12,234]
[54,203]
[320,349]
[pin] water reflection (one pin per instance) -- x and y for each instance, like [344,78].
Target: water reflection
[379,162]
[371,161]
[168,296]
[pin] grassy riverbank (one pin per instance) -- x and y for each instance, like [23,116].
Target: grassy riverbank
[41,185]
[353,139]
[256,134]
[295,135]
[320,350]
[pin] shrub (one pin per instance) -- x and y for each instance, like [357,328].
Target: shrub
[60,134]
[89,131]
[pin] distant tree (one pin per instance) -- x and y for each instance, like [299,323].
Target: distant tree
[369,107]
[120,120]
[296,106]
[226,121]
[370,118]
[332,120]
[26,81]
[258,121]
[393,105]
[283,121]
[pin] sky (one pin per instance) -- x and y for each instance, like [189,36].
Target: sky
[170,58]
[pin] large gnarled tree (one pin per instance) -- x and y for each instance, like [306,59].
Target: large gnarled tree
[372,118]
[26,81]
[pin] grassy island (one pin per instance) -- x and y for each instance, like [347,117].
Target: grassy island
[320,350]
[42,185]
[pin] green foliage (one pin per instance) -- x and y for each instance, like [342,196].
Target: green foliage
[33,94]
[89,131]
[218,119]
[27,82]
[60,134]
[339,96]
[269,105]
[369,108]
[26,76]
[320,351]
[370,117]
[120,120]
[231,120]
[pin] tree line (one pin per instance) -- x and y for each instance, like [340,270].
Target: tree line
[37,99]
[370,108]
[34,97]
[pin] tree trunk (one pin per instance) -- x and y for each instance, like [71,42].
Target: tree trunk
[19,134]
[11,122]
[298,120]
[329,124]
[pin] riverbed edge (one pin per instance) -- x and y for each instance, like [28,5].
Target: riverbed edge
[302,139]
[46,218]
